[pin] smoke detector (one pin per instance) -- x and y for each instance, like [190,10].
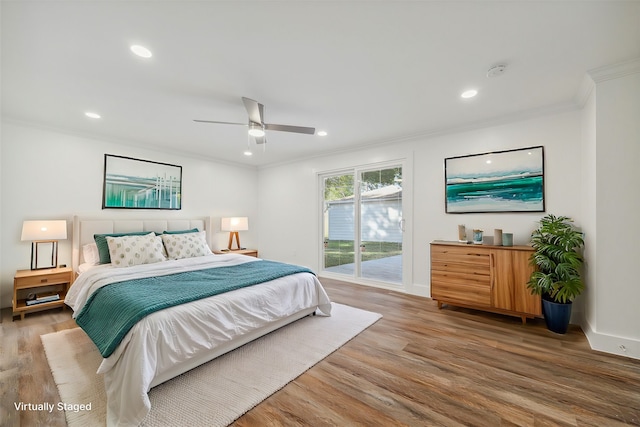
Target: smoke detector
[497,70]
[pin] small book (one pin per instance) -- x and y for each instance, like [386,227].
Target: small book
[42,298]
[47,296]
[34,302]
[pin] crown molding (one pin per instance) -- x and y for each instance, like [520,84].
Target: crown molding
[602,74]
[584,91]
[615,71]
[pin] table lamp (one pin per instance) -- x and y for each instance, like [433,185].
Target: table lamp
[233,225]
[44,236]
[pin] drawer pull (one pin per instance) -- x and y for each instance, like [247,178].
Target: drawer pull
[44,280]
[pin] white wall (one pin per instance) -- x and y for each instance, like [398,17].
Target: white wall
[612,323]
[589,206]
[48,174]
[292,234]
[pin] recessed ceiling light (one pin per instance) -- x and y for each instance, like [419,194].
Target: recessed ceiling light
[92,115]
[322,133]
[469,93]
[141,51]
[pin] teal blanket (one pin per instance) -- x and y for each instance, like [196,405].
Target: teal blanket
[112,310]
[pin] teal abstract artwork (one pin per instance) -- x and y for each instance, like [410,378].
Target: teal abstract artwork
[501,181]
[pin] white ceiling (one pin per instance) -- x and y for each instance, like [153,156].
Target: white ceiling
[364,71]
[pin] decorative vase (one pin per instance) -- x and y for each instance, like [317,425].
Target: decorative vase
[556,315]
[462,233]
[497,236]
[507,239]
[477,236]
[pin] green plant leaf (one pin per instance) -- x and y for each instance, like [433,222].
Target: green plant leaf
[557,258]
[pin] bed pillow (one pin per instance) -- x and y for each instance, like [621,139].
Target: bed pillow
[127,251]
[186,245]
[193,230]
[103,248]
[90,254]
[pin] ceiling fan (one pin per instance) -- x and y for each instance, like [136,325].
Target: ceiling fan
[257,126]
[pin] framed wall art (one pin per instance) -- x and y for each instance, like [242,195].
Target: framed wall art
[500,181]
[140,184]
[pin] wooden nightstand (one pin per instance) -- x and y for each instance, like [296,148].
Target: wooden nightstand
[248,252]
[55,280]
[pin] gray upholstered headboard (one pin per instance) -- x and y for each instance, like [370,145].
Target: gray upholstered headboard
[84,229]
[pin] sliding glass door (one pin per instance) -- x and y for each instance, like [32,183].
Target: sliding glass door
[362,223]
[381,224]
[338,223]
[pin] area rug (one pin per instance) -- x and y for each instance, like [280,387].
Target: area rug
[216,393]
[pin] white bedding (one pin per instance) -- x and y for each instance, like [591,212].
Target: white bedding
[168,342]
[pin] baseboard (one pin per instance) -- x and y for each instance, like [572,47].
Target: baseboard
[414,289]
[420,290]
[620,346]
[362,281]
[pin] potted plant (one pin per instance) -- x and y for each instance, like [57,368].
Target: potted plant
[558,275]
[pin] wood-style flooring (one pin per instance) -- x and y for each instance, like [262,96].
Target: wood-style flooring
[417,366]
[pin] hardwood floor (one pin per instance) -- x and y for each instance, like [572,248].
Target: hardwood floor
[417,366]
[24,371]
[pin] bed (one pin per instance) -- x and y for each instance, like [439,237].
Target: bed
[163,344]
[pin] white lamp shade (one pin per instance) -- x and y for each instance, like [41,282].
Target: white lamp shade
[44,230]
[238,223]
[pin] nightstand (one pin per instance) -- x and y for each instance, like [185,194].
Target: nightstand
[248,252]
[50,280]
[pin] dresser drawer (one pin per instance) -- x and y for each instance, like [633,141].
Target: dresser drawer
[469,256]
[460,290]
[459,269]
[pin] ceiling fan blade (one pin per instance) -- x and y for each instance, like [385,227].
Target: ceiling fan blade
[222,123]
[254,109]
[288,128]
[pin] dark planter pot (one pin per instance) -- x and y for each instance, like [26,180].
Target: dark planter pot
[556,315]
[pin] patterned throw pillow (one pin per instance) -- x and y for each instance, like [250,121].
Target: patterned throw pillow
[127,251]
[186,245]
[103,247]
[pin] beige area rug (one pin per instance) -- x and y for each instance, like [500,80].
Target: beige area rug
[216,393]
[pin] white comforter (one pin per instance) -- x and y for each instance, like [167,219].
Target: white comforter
[171,341]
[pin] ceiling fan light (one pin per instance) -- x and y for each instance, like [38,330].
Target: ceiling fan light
[256,131]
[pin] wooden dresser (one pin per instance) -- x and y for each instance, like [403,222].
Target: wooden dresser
[484,277]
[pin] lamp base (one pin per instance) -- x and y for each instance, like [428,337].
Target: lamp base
[44,254]
[233,234]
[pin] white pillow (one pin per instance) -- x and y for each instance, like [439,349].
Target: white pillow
[84,267]
[90,254]
[186,245]
[127,251]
